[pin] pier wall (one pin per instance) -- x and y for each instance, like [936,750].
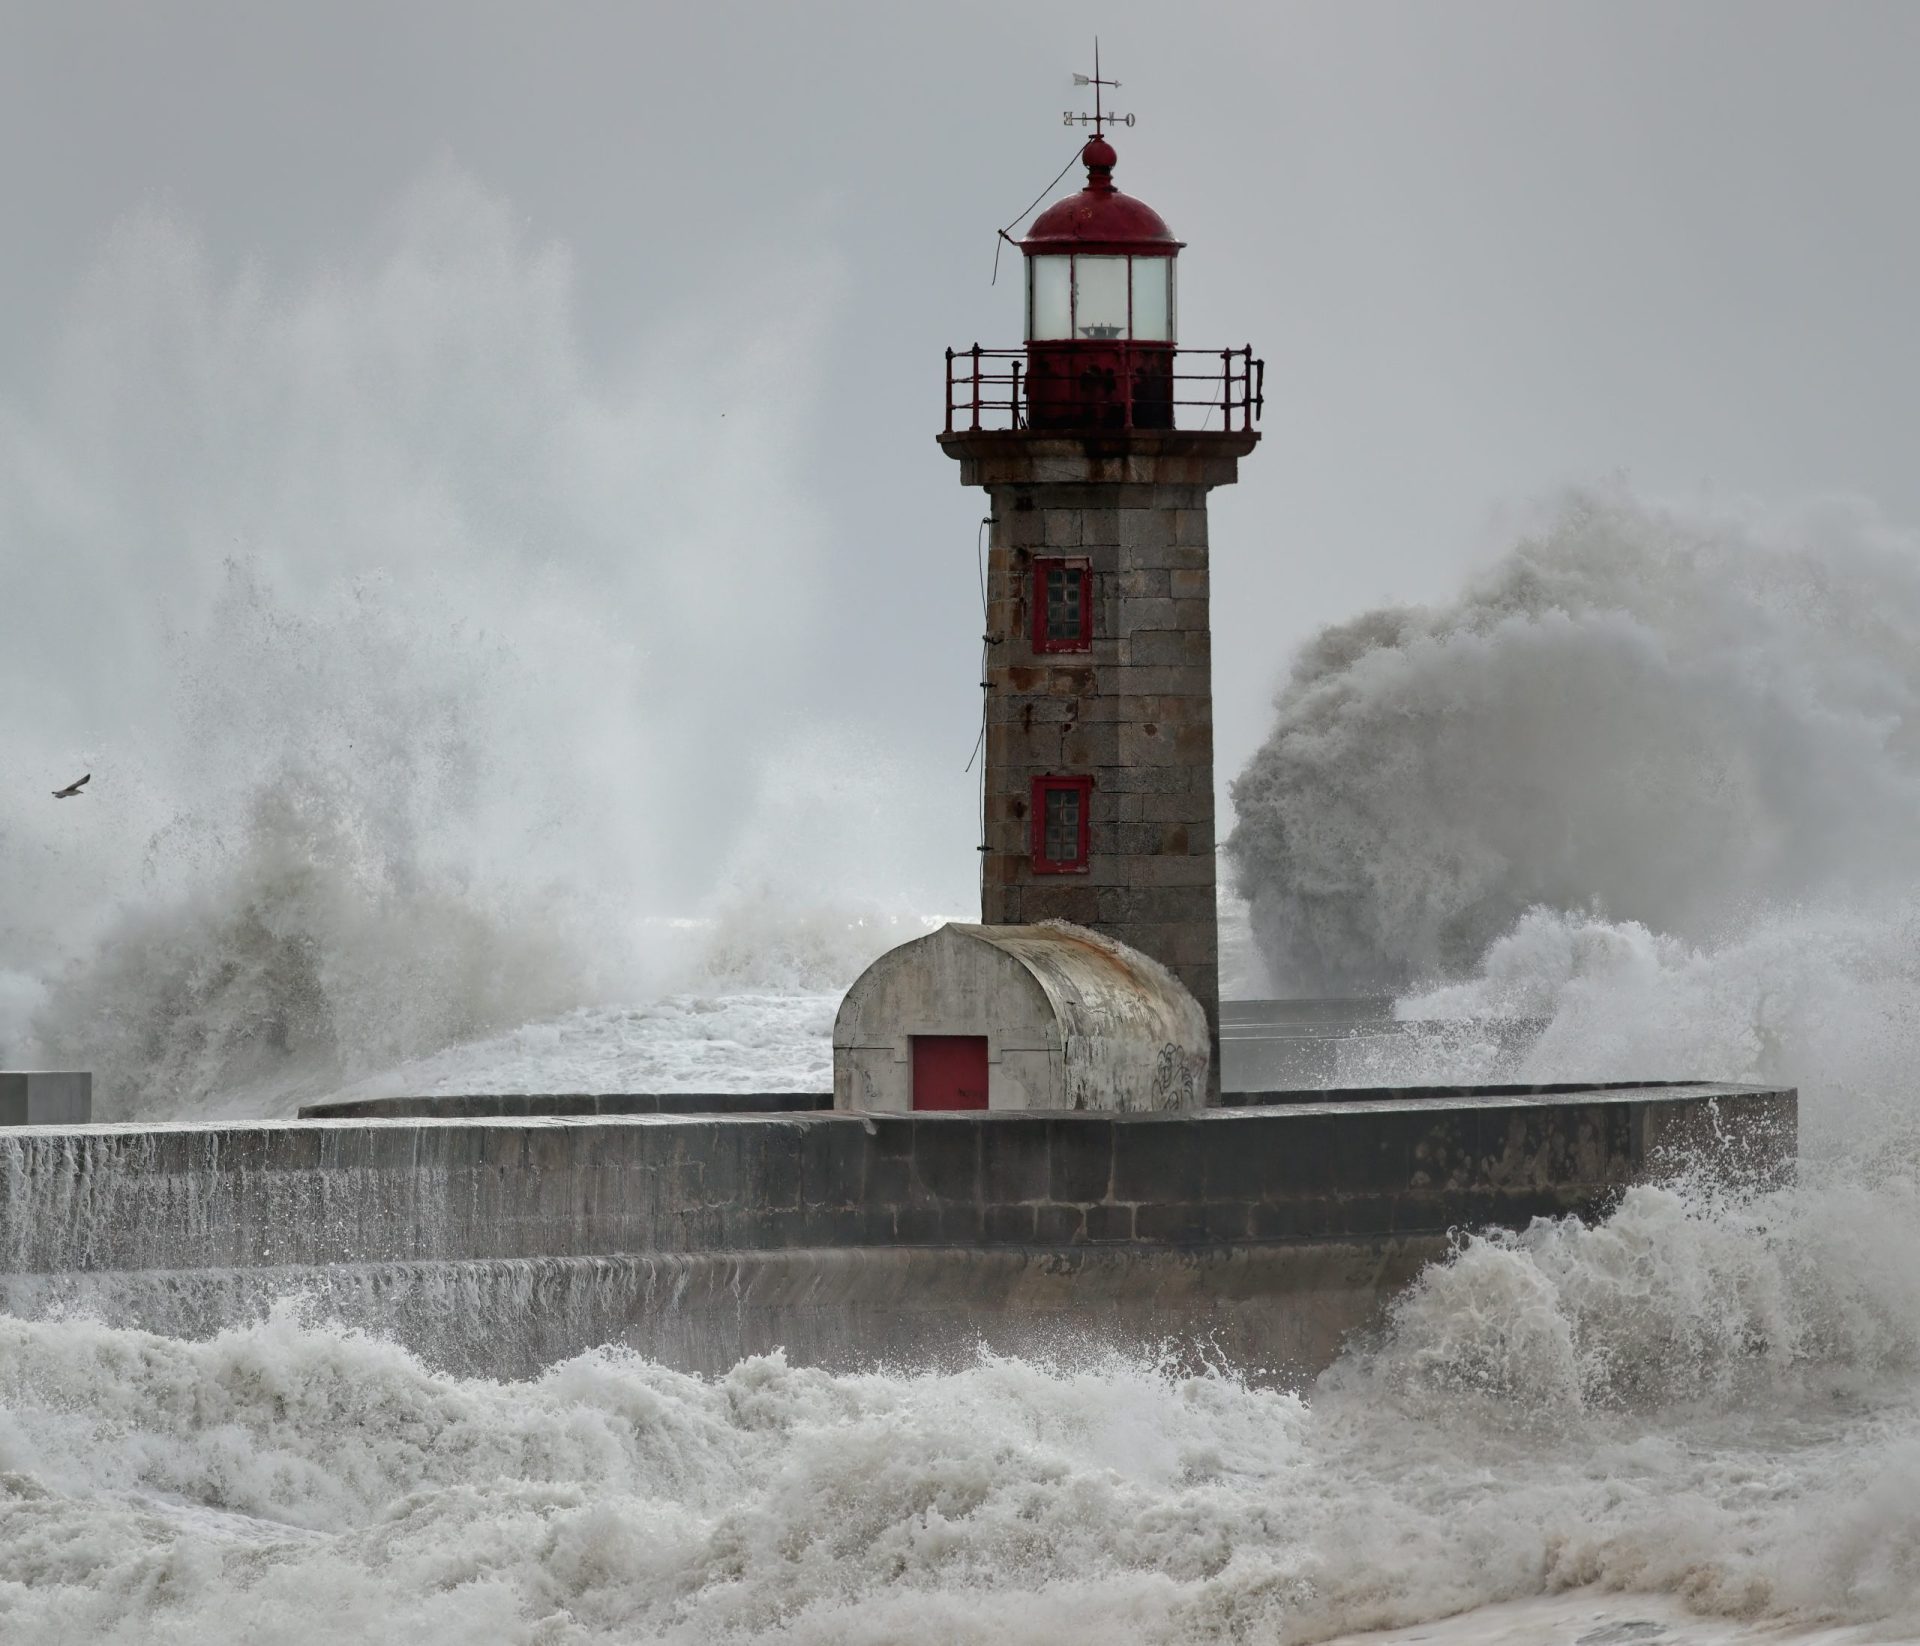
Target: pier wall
[1269,1231]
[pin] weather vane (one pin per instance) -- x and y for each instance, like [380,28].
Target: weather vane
[1099,117]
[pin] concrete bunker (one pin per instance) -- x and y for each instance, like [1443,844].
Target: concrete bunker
[1019,1018]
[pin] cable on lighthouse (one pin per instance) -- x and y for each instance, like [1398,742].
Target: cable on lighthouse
[1099,120]
[986,643]
[1004,235]
[986,648]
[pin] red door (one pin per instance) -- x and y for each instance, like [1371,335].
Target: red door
[949,1071]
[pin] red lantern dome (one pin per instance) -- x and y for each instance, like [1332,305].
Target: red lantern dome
[1100,308]
[1100,217]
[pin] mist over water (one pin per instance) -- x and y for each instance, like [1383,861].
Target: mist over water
[381,617]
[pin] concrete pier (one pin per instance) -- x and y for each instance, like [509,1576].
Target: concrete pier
[1270,1231]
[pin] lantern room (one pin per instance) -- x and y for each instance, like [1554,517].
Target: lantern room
[1100,308]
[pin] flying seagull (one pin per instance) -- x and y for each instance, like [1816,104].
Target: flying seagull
[71,789]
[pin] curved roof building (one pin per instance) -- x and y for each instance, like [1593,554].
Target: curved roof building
[1019,1017]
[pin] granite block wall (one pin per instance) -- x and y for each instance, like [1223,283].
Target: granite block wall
[1134,712]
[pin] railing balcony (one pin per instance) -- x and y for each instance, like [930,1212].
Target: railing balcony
[1105,386]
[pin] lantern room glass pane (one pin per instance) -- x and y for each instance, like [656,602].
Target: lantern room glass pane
[1100,297]
[1049,297]
[1153,299]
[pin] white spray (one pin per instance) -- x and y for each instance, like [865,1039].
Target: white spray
[1669,717]
[374,606]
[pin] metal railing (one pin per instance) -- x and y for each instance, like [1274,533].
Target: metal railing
[1117,386]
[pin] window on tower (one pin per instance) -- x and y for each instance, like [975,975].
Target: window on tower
[1062,605]
[1061,824]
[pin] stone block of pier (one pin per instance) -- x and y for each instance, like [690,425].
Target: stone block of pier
[45,1098]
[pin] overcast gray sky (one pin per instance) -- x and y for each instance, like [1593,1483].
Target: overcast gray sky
[1485,248]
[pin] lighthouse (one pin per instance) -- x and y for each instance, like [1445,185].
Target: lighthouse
[1093,979]
[1097,444]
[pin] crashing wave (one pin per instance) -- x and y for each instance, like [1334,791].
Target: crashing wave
[1668,717]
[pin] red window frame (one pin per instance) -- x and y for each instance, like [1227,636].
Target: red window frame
[1042,786]
[1043,564]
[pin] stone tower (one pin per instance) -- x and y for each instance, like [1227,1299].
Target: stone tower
[1097,445]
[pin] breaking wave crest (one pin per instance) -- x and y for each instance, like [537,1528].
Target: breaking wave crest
[1664,717]
[1687,1293]
[309,955]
